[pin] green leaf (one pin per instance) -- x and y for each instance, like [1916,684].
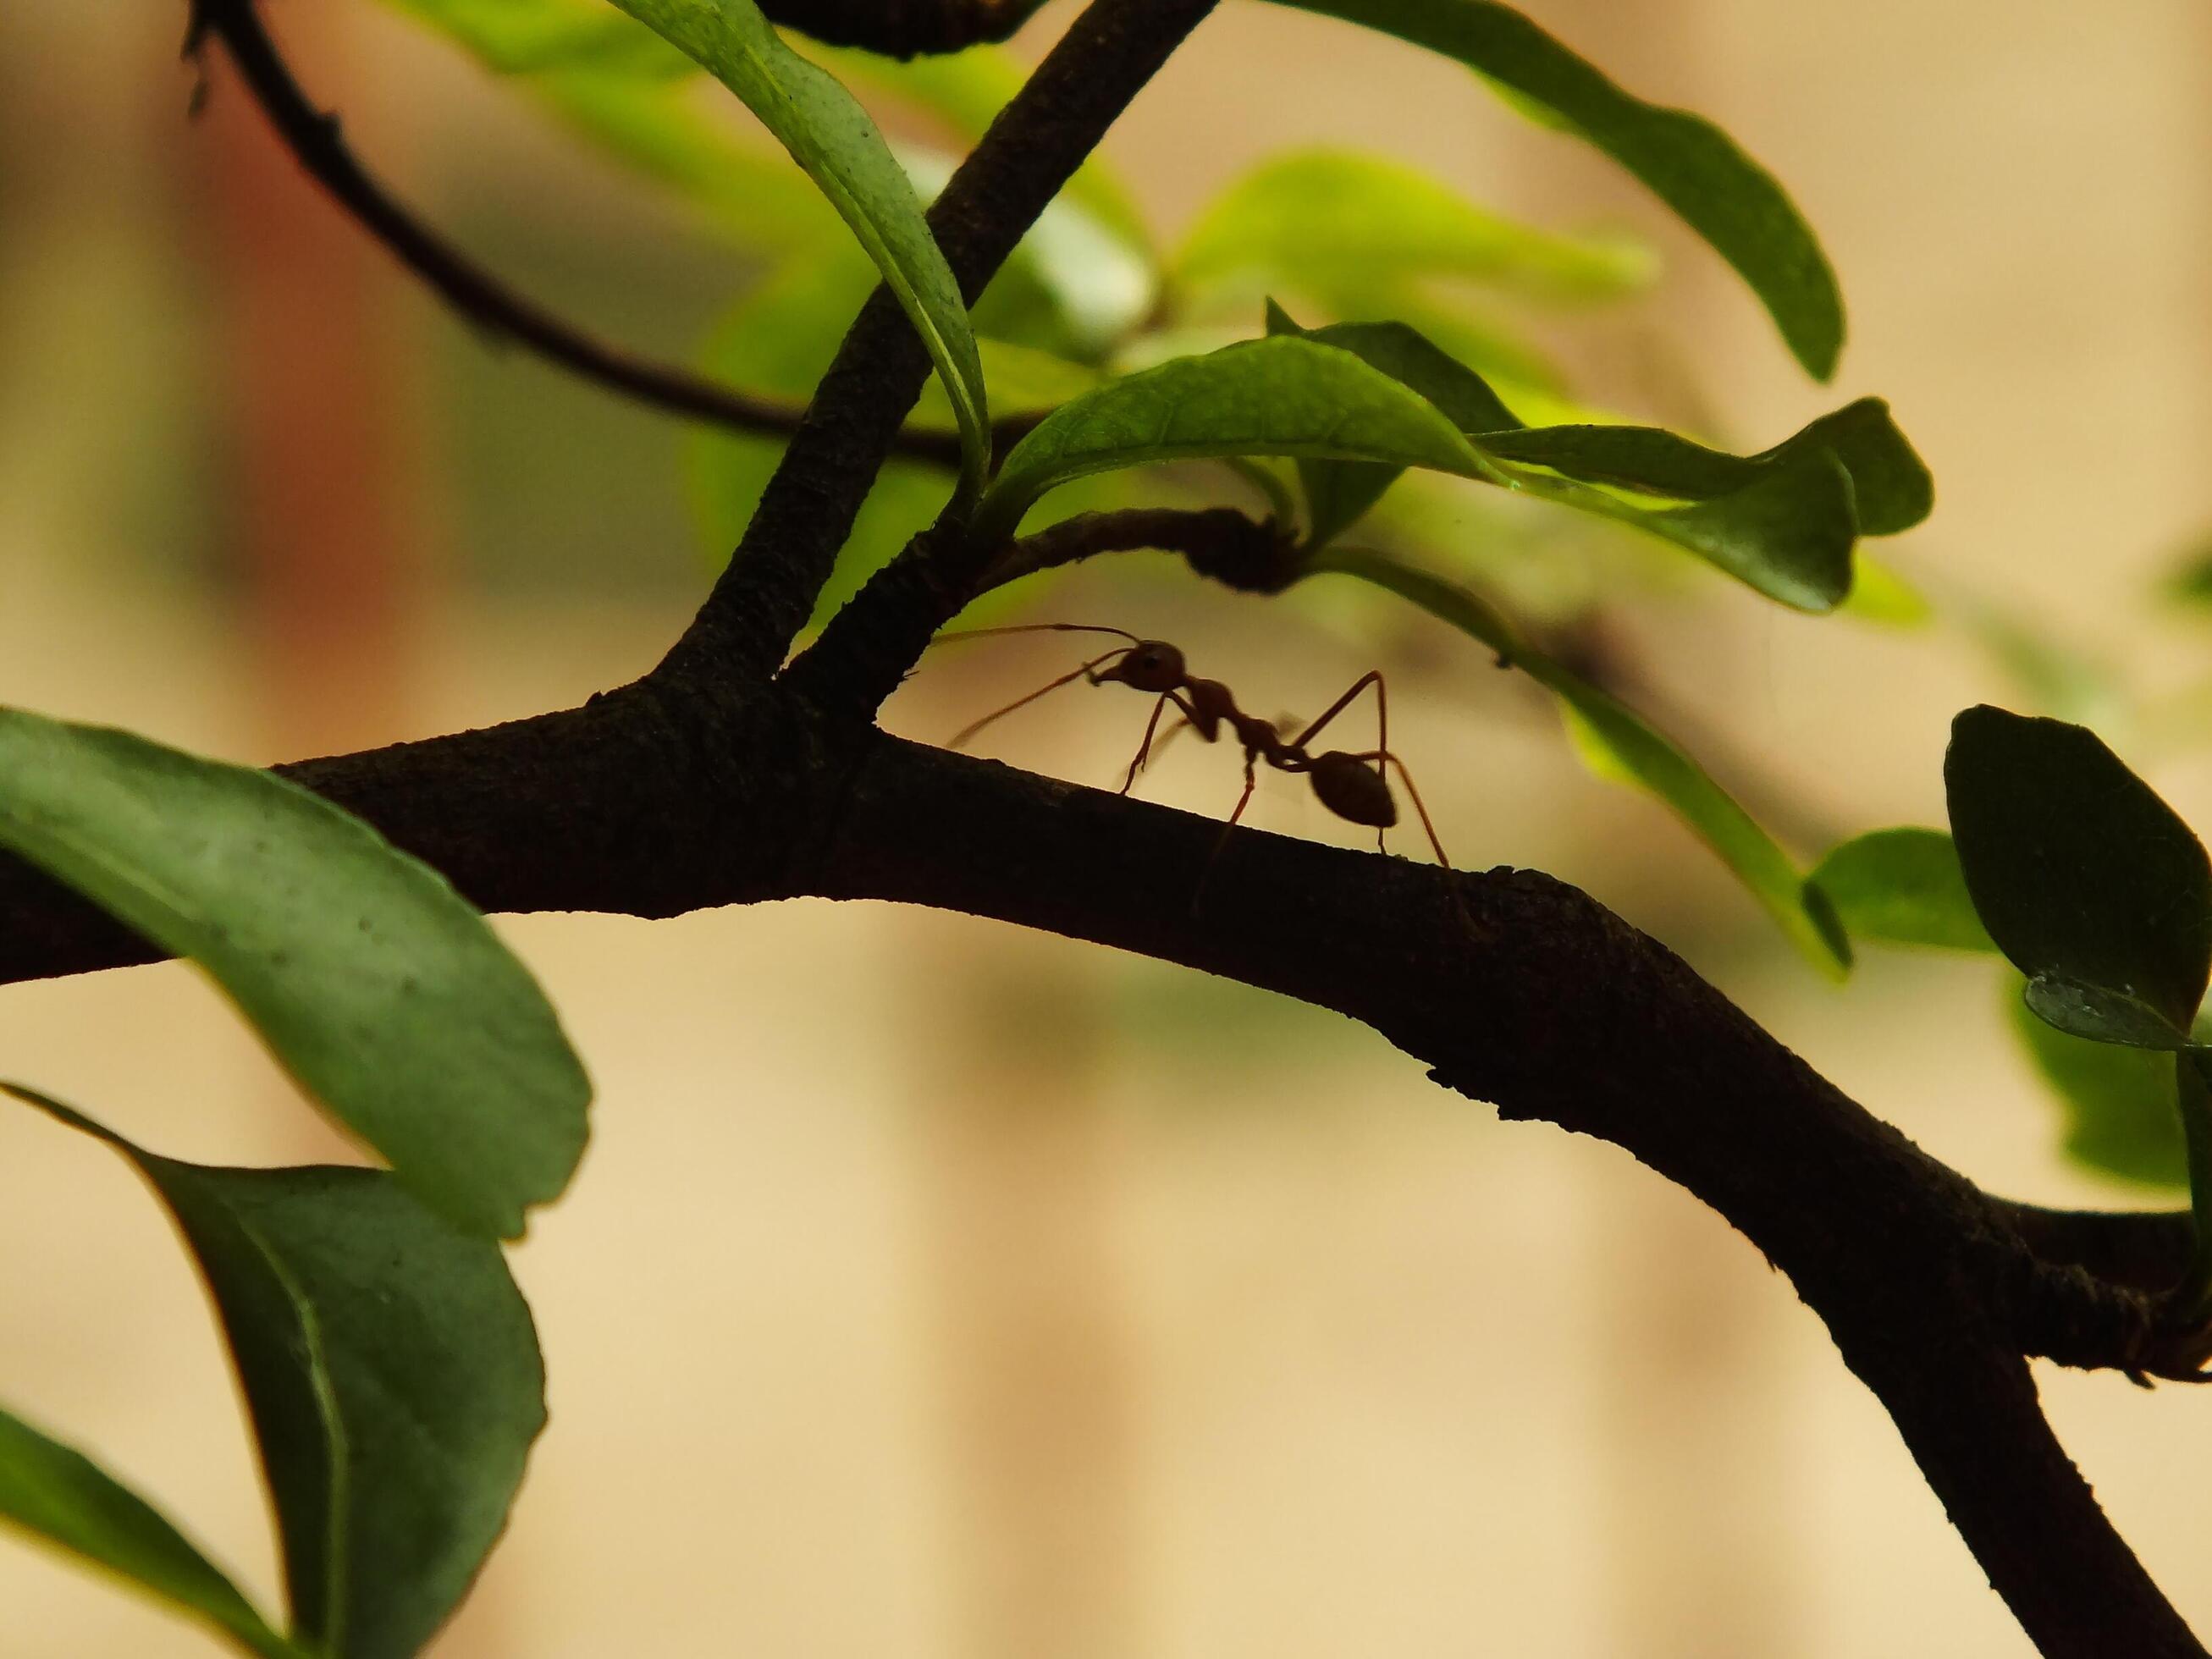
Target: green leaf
[2087,880]
[965,90]
[1257,397]
[1788,535]
[657,128]
[1890,488]
[1338,493]
[392,1372]
[1902,887]
[1788,532]
[829,134]
[1690,164]
[1323,221]
[375,985]
[1629,747]
[1883,596]
[2188,584]
[2120,1116]
[2101,1014]
[529,37]
[1071,286]
[1023,381]
[60,1496]
[620,86]
[777,341]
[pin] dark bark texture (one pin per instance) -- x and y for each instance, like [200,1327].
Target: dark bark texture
[723,778]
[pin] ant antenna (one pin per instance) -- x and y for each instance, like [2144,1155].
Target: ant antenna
[967,732]
[1036,628]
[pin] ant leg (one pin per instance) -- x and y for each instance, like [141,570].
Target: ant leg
[1373,677]
[1087,670]
[1227,829]
[1379,757]
[1143,749]
[1168,736]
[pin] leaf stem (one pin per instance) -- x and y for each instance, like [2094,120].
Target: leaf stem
[316,142]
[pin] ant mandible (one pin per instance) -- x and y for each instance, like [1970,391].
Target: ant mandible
[1351,785]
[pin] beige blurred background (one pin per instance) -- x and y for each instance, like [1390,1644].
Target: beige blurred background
[936,1292]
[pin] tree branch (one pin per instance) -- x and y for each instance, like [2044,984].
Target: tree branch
[1232,547]
[903,29]
[315,141]
[1519,990]
[2146,1250]
[765,595]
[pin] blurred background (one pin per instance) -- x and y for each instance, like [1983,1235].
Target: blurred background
[936,1290]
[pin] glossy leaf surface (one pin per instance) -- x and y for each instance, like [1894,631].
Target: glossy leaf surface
[831,135]
[62,1498]
[1687,162]
[380,989]
[391,1373]
[1787,533]
[1324,222]
[2090,883]
[1890,488]
[1278,396]
[1631,747]
[1902,887]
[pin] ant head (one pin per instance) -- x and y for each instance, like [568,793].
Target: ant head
[1350,786]
[1150,666]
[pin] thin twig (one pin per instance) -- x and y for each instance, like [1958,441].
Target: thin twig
[1232,547]
[314,140]
[903,29]
[1031,150]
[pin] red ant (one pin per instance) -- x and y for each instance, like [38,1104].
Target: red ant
[1350,785]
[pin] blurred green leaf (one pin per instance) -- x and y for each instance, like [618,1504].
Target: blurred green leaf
[1880,594]
[1902,886]
[1023,381]
[831,135]
[61,1496]
[1690,164]
[778,342]
[2120,1112]
[658,129]
[2188,581]
[2090,883]
[1322,222]
[619,85]
[1788,532]
[392,1372]
[1282,396]
[1629,747]
[1071,286]
[965,90]
[375,985]
[528,37]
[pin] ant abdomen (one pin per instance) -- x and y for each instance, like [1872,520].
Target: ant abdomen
[1350,786]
